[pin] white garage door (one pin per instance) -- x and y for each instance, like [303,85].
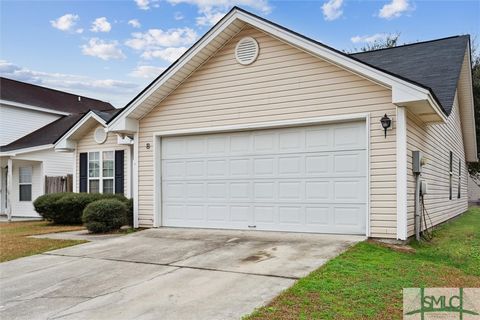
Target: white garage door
[308,179]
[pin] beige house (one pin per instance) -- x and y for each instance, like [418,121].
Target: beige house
[257,127]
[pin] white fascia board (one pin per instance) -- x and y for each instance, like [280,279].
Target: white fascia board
[30,107]
[64,142]
[124,125]
[13,153]
[342,61]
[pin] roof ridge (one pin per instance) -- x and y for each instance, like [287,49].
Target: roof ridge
[52,89]
[413,43]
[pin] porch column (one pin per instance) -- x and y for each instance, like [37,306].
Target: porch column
[9,188]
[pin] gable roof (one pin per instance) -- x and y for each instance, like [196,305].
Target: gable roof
[404,91]
[435,64]
[46,98]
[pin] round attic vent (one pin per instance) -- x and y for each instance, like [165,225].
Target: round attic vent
[100,135]
[246,50]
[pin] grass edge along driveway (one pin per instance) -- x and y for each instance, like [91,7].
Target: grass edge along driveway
[366,281]
[15,243]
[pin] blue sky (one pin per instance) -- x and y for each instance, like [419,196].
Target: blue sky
[111,50]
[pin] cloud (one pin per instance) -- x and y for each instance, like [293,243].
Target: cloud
[101,25]
[143,4]
[332,9]
[146,72]
[210,17]
[146,4]
[66,22]
[394,9]
[168,54]
[116,91]
[156,38]
[369,38]
[210,11]
[104,50]
[178,16]
[134,23]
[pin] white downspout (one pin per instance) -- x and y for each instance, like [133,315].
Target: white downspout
[401,173]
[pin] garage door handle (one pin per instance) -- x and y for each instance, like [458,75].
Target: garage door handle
[252,226]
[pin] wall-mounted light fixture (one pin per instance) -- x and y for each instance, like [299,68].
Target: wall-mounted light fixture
[386,123]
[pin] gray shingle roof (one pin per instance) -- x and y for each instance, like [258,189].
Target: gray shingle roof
[31,94]
[433,64]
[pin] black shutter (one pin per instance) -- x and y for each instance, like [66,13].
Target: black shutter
[119,171]
[83,172]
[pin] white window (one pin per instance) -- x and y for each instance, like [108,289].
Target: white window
[25,183]
[101,172]
[108,171]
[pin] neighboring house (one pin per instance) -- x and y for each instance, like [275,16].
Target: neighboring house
[258,127]
[32,118]
[473,190]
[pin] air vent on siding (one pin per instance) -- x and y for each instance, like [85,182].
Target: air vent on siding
[246,50]
[100,135]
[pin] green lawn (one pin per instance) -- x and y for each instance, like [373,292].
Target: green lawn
[15,243]
[366,281]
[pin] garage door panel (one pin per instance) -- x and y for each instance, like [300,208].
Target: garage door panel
[310,179]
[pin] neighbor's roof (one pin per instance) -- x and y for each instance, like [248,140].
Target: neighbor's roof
[435,64]
[53,131]
[106,115]
[37,96]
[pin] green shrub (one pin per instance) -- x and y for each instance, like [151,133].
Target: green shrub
[68,207]
[105,215]
[44,205]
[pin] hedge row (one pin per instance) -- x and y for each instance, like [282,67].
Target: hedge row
[68,207]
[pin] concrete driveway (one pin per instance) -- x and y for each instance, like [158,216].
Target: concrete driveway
[163,274]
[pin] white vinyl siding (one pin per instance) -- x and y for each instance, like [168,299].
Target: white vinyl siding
[25,208]
[17,122]
[436,141]
[43,163]
[87,144]
[284,83]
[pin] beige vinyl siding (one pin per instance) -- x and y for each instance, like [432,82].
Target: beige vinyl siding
[87,144]
[284,83]
[436,141]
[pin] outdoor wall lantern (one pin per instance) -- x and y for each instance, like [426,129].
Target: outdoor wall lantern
[386,123]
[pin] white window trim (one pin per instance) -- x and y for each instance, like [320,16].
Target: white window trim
[100,177]
[25,183]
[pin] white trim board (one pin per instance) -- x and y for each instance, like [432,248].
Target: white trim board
[25,150]
[401,173]
[265,125]
[30,107]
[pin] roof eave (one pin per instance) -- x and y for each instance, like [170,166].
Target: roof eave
[15,152]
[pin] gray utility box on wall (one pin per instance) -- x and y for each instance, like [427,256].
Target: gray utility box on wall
[417,161]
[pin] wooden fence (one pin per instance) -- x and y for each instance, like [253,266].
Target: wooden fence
[59,184]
